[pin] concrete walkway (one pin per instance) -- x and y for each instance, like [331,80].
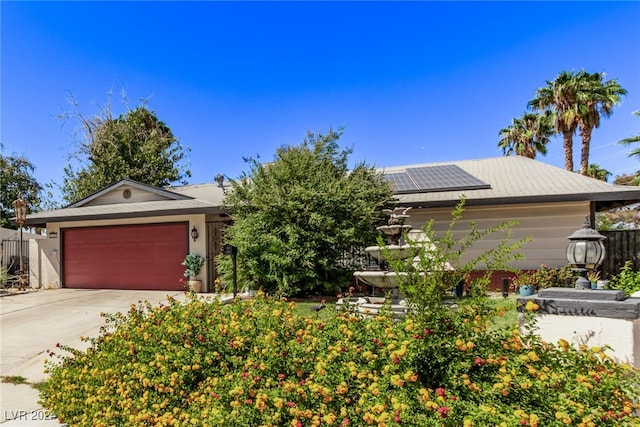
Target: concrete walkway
[32,323]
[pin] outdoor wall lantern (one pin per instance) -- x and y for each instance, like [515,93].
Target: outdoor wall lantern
[585,252]
[20,208]
[194,233]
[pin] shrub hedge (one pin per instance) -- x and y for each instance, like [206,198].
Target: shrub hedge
[258,363]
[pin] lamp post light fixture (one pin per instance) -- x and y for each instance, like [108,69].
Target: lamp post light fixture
[585,252]
[20,208]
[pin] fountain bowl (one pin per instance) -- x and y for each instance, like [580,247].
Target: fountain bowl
[378,279]
[392,252]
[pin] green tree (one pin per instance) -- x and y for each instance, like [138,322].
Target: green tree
[596,99]
[295,217]
[560,97]
[527,135]
[136,145]
[595,171]
[578,100]
[17,180]
[632,140]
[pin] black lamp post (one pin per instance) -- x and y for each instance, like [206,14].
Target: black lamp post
[585,252]
[20,208]
[229,249]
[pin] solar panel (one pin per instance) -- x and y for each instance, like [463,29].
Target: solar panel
[402,182]
[434,178]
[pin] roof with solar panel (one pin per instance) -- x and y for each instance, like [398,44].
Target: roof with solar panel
[433,178]
[500,180]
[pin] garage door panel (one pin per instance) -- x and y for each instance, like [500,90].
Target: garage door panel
[125,257]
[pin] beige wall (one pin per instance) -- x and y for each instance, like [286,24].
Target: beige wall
[547,225]
[117,196]
[47,256]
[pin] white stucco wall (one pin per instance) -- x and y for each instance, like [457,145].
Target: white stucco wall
[622,335]
[44,264]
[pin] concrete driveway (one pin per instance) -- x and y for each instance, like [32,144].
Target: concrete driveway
[33,322]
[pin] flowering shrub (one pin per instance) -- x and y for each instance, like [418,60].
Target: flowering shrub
[257,363]
[545,277]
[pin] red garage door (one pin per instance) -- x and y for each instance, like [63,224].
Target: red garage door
[125,257]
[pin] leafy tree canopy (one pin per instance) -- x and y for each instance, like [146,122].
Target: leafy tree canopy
[17,180]
[528,135]
[295,217]
[578,101]
[136,145]
[597,172]
[632,140]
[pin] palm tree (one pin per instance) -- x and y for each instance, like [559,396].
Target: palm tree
[559,96]
[595,99]
[527,135]
[631,140]
[595,171]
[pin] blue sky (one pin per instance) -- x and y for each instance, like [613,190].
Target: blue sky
[410,82]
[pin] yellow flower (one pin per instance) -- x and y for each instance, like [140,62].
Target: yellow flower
[531,306]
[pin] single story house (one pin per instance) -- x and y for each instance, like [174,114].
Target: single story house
[132,235]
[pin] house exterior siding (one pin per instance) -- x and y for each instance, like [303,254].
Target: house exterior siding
[548,226]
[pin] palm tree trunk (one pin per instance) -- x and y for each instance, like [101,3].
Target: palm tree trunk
[585,134]
[567,137]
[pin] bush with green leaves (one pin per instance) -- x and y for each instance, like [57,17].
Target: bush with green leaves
[295,217]
[546,277]
[627,280]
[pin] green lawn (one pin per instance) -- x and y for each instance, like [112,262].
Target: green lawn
[508,305]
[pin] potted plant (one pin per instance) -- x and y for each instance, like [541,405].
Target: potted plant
[593,277]
[525,283]
[193,264]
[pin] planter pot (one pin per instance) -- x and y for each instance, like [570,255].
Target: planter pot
[195,285]
[526,290]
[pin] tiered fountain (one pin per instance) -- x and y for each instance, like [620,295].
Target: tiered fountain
[385,279]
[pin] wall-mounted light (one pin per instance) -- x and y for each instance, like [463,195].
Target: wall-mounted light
[194,233]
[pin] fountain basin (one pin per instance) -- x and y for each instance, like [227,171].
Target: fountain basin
[380,278]
[392,252]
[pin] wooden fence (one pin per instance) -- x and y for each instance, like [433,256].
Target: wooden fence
[620,246]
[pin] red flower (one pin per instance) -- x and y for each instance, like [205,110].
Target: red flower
[443,410]
[440,391]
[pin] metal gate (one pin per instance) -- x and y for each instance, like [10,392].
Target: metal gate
[10,260]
